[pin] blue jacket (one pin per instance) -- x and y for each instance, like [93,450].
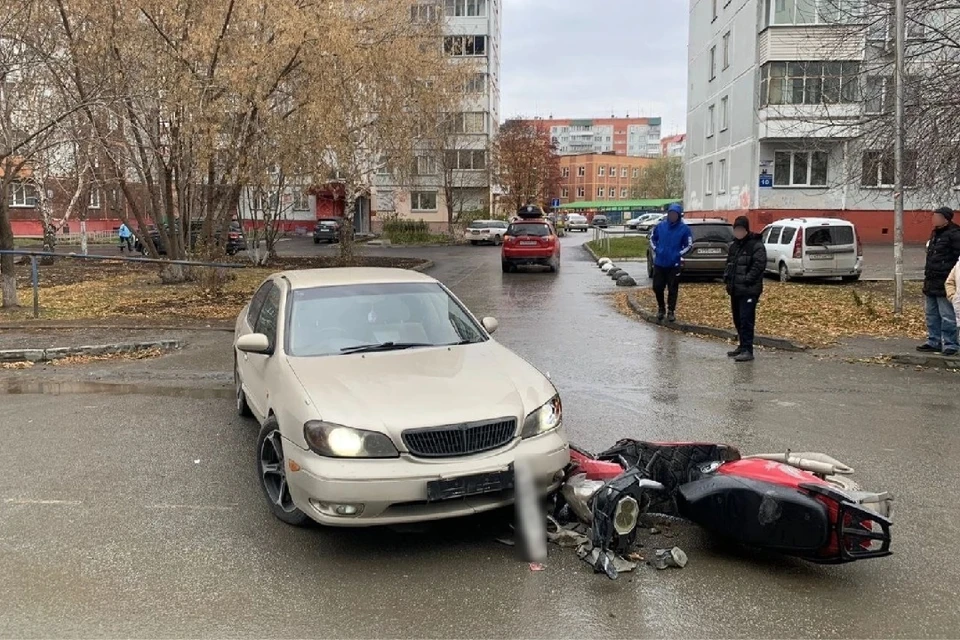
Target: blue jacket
[670,241]
[125,231]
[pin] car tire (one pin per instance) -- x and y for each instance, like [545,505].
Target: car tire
[784,273]
[555,266]
[272,475]
[497,240]
[243,407]
[649,267]
[474,242]
[854,278]
[506,266]
[316,241]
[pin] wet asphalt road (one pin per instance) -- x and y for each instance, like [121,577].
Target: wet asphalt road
[139,514]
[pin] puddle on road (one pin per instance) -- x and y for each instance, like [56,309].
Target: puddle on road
[18,387]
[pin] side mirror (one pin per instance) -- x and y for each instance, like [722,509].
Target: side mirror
[253,343]
[490,324]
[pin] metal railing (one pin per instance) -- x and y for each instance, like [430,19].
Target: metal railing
[35,257]
[602,236]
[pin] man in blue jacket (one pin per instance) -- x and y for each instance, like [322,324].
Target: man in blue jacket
[670,241]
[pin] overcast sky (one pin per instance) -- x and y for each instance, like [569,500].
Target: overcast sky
[591,58]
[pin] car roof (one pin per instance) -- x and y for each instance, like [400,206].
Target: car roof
[837,222]
[698,221]
[339,276]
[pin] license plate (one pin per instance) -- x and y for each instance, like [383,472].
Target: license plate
[820,256]
[528,243]
[711,252]
[475,485]
[476,233]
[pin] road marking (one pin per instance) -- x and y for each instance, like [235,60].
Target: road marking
[193,507]
[27,501]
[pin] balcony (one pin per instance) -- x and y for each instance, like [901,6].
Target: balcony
[811,42]
[836,121]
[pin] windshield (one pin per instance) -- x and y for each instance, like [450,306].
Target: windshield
[529,229]
[712,232]
[326,321]
[828,236]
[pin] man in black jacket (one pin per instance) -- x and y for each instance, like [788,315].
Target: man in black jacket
[943,251]
[746,262]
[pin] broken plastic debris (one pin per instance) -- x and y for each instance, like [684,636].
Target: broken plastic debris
[664,558]
[612,564]
[577,491]
[510,542]
[536,566]
[197,461]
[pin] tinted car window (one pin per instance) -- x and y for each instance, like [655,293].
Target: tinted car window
[712,232]
[774,237]
[267,322]
[256,304]
[788,234]
[827,236]
[529,229]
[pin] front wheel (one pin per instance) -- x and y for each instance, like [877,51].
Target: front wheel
[497,240]
[784,273]
[316,241]
[272,472]
[505,266]
[649,267]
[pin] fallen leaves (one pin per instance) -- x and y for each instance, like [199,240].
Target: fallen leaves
[812,314]
[139,354]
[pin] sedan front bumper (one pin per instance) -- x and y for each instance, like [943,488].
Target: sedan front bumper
[394,491]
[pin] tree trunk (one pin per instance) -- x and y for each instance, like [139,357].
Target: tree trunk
[83,237]
[346,229]
[8,278]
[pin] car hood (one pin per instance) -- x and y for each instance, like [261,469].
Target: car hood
[396,390]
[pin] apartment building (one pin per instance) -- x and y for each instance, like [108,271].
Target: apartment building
[635,137]
[592,177]
[472,31]
[674,146]
[780,93]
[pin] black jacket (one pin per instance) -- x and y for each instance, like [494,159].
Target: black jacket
[746,262]
[943,251]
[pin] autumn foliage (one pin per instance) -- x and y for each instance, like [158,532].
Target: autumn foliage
[525,163]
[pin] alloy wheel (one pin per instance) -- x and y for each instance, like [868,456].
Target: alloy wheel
[784,273]
[274,474]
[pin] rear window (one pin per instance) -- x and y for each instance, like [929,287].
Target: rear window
[829,236]
[478,224]
[529,229]
[712,233]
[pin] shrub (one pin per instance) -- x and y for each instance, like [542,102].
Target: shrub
[403,231]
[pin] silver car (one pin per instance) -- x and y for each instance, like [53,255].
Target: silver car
[577,222]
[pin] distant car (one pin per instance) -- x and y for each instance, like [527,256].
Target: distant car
[633,223]
[326,230]
[600,221]
[646,227]
[530,241]
[708,256]
[486,231]
[236,240]
[577,222]
[813,248]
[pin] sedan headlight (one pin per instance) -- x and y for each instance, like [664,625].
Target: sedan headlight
[337,441]
[546,418]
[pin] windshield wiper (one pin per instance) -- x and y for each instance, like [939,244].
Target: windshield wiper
[384,346]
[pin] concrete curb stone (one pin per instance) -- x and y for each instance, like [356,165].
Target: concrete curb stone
[54,353]
[927,361]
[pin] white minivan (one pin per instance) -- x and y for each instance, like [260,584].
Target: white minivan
[813,248]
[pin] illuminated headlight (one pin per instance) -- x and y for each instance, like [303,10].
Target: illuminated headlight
[337,441]
[546,418]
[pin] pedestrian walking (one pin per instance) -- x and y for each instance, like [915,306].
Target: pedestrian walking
[943,252]
[670,241]
[746,262]
[126,237]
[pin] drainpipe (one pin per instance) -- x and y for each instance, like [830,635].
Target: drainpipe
[846,175]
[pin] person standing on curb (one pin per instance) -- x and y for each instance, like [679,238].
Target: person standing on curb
[943,251]
[670,241]
[746,262]
[126,237]
[953,294]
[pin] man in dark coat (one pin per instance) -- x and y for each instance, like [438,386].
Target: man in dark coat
[943,251]
[746,262]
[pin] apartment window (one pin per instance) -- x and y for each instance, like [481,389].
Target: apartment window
[565,193]
[711,122]
[581,171]
[915,30]
[423,200]
[22,195]
[476,83]
[808,83]
[879,93]
[722,179]
[623,172]
[424,13]
[714,9]
[468,8]
[800,169]
[565,172]
[425,166]
[581,192]
[466,159]
[813,11]
[385,201]
[724,113]
[709,186]
[382,168]
[726,50]
[636,172]
[613,172]
[470,122]
[623,193]
[878,169]
[301,201]
[465,45]
[713,62]
[613,192]
[600,192]
[94,202]
[601,171]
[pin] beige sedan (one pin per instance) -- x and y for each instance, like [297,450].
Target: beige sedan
[383,400]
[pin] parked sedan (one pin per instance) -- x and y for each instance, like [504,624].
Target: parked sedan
[600,221]
[646,227]
[577,222]
[383,400]
[326,230]
[708,256]
[486,231]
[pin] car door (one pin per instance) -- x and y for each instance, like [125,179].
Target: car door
[255,365]
[785,248]
[772,244]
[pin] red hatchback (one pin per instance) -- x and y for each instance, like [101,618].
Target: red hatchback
[530,241]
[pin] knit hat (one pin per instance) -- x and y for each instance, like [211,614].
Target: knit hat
[946,212]
[743,222]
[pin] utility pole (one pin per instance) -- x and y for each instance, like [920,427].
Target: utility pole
[900,20]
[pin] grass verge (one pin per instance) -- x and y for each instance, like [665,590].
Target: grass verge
[620,248]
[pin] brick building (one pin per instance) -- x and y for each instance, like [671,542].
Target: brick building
[598,176]
[636,137]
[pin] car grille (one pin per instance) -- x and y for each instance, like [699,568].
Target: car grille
[459,439]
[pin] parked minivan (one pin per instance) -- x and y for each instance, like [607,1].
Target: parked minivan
[813,248]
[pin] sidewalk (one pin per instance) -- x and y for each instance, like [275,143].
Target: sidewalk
[878,261]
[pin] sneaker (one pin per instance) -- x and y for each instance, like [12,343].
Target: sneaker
[660,315]
[745,356]
[951,351]
[928,348]
[735,352]
[671,317]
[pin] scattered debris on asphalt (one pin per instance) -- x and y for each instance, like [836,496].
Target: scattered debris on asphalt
[536,566]
[664,558]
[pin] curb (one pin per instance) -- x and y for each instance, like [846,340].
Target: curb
[725,334]
[927,361]
[54,353]
[586,246]
[69,326]
[420,268]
